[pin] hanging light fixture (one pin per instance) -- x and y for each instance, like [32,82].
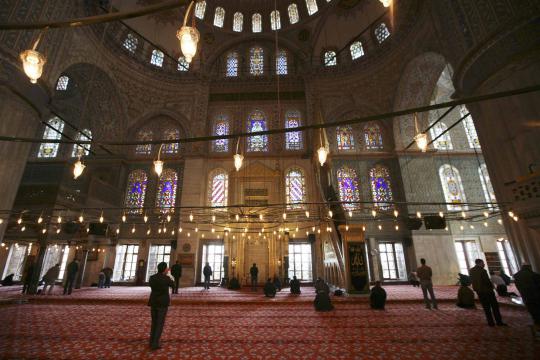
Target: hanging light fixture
[330,214]
[441,214]
[81,217]
[189,36]
[350,213]
[33,61]
[419,214]
[420,137]
[101,217]
[168,218]
[123,217]
[39,220]
[78,168]
[191,217]
[373,213]
[322,152]
[238,158]
[307,214]
[158,164]
[386,3]
[396,213]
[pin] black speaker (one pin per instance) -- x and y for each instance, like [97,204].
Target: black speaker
[174,244]
[434,222]
[414,223]
[311,238]
[71,227]
[98,229]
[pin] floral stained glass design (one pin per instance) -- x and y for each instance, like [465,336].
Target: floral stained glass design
[381,189]
[200,9]
[82,150]
[330,58]
[312,7]
[238,22]
[144,149]
[221,128]
[256,23]
[166,193]
[157,58]
[357,50]
[293,13]
[62,83]
[171,148]
[452,187]
[52,132]
[345,138]
[275,20]
[136,191]
[219,186]
[219,17]
[349,190]
[130,43]
[295,188]
[293,140]
[373,137]
[256,61]
[256,123]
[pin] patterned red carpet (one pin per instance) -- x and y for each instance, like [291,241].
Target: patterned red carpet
[248,326]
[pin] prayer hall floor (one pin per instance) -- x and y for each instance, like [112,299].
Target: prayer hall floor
[219,324]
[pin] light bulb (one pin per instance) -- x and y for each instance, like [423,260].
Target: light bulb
[101,218]
[485,224]
[238,159]
[124,218]
[118,231]
[58,231]
[386,3]
[499,221]
[284,216]
[471,226]
[307,214]
[213,230]
[59,219]
[486,214]
[322,153]
[418,214]
[396,213]
[463,215]
[461,227]
[441,214]
[346,227]
[158,167]
[313,229]
[23,228]
[515,218]
[43,231]
[148,232]
[19,221]
[159,231]
[397,227]
[373,213]
[214,218]
[189,38]
[145,218]
[81,218]
[380,227]
[168,218]
[78,169]
[196,229]
[33,63]
[421,141]
[191,217]
[350,213]
[363,228]
[261,217]
[164,229]
[179,229]
[133,230]
[188,234]
[172,232]
[330,213]
[511,213]
[39,220]
[237,217]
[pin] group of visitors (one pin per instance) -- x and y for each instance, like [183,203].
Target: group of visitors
[105,277]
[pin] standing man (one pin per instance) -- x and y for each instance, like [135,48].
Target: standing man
[207,272]
[176,272]
[72,269]
[483,287]
[254,272]
[528,284]
[424,274]
[159,302]
[50,278]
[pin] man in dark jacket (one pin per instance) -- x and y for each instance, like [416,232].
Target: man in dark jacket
[528,284]
[254,272]
[377,297]
[71,270]
[28,275]
[159,302]
[108,276]
[207,272]
[176,272]
[295,286]
[483,287]
[269,289]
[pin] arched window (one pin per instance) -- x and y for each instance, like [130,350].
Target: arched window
[53,131]
[293,140]
[444,142]
[256,23]
[219,17]
[295,188]
[470,130]
[183,65]
[452,188]
[381,188]
[136,191]
[256,61]
[330,58]
[130,43]
[171,148]
[349,190]
[489,193]
[293,13]
[221,127]
[275,20]
[62,83]
[312,7]
[218,188]
[166,192]
[356,50]
[200,9]
[232,64]
[144,149]
[345,138]
[373,137]
[381,32]
[256,123]
[82,150]
[157,58]
[281,63]
[238,22]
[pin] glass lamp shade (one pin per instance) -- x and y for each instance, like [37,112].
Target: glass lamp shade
[238,159]
[33,63]
[189,38]
[322,153]
[158,167]
[78,169]
[421,141]
[386,3]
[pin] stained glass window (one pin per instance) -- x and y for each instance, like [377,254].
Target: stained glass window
[238,22]
[349,190]
[452,188]
[171,148]
[295,188]
[293,13]
[312,7]
[281,63]
[221,128]
[293,140]
[330,58]
[489,193]
[157,58]
[52,132]
[345,138]
[256,61]
[166,192]
[444,142]
[62,83]
[256,23]
[200,9]
[232,64]
[130,43]
[219,17]
[218,188]
[144,149]
[257,122]
[470,130]
[82,150]
[373,137]
[275,20]
[381,189]
[381,32]
[356,50]
[183,65]
[136,191]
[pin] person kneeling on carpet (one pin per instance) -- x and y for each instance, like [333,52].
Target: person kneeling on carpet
[269,289]
[377,297]
[322,299]
[295,286]
[277,283]
[465,298]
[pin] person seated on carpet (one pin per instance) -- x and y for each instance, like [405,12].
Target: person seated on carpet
[465,294]
[295,286]
[277,283]
[8,280]
[269,289]
[377,296]
[108,276]
[322,300]
[500,285]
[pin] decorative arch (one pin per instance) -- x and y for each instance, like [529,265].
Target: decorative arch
[381,187]
[257,122]
[136,191]
[166,191]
